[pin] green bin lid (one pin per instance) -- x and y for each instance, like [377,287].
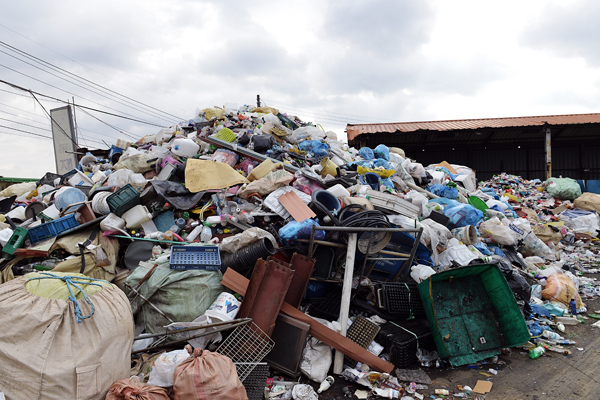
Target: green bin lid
[478,203]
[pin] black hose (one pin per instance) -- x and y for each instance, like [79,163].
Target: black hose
[244,259]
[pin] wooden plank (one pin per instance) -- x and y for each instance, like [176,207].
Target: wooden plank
[238,283]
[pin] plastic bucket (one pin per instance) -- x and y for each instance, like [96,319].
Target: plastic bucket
[466,234]
[371,179]
[478,203]
[329,168]
[224,308]
[99,203]
[70,196]
[324,203]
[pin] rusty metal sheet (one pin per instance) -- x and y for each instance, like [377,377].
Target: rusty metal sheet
[296,207]
[238,283]
[260,268]
[303,267]
[270,296]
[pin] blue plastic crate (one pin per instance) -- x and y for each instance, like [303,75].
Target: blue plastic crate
[195,257]
[51,229]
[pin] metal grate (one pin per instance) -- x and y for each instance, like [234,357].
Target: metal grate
[247,345]
[256,381]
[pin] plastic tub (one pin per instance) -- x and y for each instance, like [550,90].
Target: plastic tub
[70,196]
[135,217]
[224,309]
[339,191]
[371,179]
[324,203]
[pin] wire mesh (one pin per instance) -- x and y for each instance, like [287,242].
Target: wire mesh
[247,345]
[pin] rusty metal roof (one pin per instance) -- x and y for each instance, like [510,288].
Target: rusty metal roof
[355,130]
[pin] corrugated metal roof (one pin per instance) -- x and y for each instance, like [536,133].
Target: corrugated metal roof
[355,130]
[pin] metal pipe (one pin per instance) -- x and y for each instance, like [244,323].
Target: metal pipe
[195,328]
[148,301]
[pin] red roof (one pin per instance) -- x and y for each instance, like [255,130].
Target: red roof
[355,130]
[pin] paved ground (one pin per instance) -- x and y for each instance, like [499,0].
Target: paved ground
[553,376]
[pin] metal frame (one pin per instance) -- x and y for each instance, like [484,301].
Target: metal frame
[402,256]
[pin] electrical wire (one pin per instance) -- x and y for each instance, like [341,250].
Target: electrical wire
[62,90]
[39,60]
[129,135]
[16,134]
[321,116]
[29,133]
[20,123]
[76,62]
[83,87]
[80,106]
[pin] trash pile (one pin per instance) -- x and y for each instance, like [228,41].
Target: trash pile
[248,244]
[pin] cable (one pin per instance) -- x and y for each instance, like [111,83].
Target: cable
[80,106]
[62,90]
[322,116]
[83,87]
[52,119]
[20,116]
[20,123]
[32,57]
[76,62]
[111,126]
[20,130]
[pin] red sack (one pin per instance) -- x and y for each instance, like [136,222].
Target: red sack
[207,376]
[133,389]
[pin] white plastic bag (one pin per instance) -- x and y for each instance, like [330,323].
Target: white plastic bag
[163,370]
[499,233]
[421,272]
[316,357]
[201,341]
[460,254]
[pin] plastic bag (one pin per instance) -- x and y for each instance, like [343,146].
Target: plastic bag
[463,215]
[460,255]
[262,143]
[299,230]
[366,153]
[561,288]
[421,272]
[225,156]
[207,376]
[563,188]
[443,191]
[163,370]
[315,148]
[382,151]
[499,233]
[427,358]
[305,133]
[583,224]
[133,388]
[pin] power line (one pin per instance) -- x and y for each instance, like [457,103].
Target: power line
[20,123]
[76,62]
[20,130]
[80,106]
[39,60]
[28,137]
[83,87]
[62,90]
[320,116]
[340,114]
[20,116]
[109,125]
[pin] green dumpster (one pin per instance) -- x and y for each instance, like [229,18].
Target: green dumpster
[472,313]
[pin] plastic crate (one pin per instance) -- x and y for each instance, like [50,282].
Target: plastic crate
[123,199]
[51,229]
[16,241]
[256,381]
[402,299]
[362,332]
[195,257]
[402,339]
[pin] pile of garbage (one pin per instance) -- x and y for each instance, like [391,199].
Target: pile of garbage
[247,235]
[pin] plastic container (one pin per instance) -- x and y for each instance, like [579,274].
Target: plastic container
[16,240]
[123,199]
[51,229]
[99,203]
[323,200]
[206,234]
[466,234]
[111,222]
[224,308]
[184,147]
[371,179]
[138,181]
[64,199]
[135,217]
[478,203]
[339,191]
[80,179]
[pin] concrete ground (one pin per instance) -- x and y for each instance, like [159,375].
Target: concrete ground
[552,376]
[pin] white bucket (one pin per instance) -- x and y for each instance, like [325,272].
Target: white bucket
[99,203]
[225,308]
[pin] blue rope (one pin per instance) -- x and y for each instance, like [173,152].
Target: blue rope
[70,281]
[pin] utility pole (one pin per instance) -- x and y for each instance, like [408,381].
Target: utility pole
[258,100]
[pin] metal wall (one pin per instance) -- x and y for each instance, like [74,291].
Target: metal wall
[577,162]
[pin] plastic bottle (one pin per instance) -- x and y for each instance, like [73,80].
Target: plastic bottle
[169,235]
[156,251]
[535,353]
[206,234]
[185,147]
[552,335]
[442,391]
[213,220]
[194,233]
[180,223]
[326,384]
[573,307]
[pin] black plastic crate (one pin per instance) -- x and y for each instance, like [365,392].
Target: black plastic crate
[402,299]
[329,307]
[401,341]
[362,332]
[256,381]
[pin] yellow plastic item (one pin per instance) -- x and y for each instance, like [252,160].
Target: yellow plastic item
[511,196]
[384,173]
[57,289]
[262,170]
[540,189]
[212,113]
[226,134]
[265,110]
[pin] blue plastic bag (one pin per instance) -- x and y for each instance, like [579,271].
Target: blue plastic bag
[315,147]
[366,153]
[387,182]
[447,203]
[381,163]
[382,151]
[299,230]
[443,191]
[463,215]
[482,247]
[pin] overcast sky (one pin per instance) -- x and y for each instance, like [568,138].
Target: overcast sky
[330,62]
